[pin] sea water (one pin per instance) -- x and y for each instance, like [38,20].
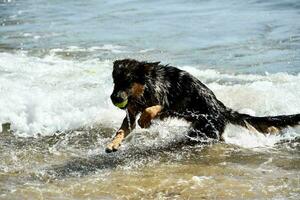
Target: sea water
[55,82]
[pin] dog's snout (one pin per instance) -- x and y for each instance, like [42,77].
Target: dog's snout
[118,97]
[115,99]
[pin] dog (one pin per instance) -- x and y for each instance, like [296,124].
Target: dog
[154,91]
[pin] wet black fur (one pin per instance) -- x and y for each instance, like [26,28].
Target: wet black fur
[182,95]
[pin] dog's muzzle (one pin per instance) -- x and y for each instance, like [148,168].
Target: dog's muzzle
[120,100]
[122,104]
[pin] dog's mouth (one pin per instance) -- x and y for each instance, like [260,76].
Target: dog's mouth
[120,97]
[122,104]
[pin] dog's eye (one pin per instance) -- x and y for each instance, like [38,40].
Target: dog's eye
[120,66]
[122,82]
[126,81]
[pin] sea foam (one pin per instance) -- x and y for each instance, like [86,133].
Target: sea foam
[41,96]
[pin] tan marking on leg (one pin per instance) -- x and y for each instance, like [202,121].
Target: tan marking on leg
[272,129]
[268,129]
[149,114]
[250,127]
[263,128]
[137,89]
[116,142]
[123,131]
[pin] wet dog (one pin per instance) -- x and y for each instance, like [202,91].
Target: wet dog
[154,90]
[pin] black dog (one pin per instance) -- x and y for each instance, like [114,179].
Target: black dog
[155,90]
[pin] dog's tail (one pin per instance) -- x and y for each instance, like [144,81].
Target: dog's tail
[268,124]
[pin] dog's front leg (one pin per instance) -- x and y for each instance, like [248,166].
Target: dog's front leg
[149,114]
[124,130]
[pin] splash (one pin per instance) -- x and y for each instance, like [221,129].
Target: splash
[41,96]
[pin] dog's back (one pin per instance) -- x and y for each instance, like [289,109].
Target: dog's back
[183,95]
[178,91]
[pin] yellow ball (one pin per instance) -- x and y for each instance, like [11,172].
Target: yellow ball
[122,104]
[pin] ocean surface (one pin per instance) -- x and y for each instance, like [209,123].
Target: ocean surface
[56,115]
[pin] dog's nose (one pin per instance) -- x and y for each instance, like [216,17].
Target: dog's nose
[116,99]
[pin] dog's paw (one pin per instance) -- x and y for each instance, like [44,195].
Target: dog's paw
[116,142]
[108,150]
[149,114]
[145,119]
[144,123]
[112,147]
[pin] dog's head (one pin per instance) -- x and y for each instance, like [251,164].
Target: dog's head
[129,77]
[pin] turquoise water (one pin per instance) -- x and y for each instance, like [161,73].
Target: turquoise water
[236,36]
[56,116]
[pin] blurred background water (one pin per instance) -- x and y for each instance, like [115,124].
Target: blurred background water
[250,36]
[55,81]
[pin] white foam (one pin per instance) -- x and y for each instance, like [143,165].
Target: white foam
[258,95]
[269,94]
[45,95]
[50,94]
[116,49]
[249,139]
[200,179]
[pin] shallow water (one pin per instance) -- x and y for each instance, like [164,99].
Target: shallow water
[71,166]
[55,82]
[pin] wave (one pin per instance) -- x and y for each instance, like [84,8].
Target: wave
[116,49]
[41,96]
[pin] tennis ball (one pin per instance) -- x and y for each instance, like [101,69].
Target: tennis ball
[122,104]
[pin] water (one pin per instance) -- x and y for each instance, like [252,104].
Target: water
[55,82]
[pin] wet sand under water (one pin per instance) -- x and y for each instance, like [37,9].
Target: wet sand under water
[73,165]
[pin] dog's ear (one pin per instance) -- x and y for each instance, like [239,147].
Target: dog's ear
[126,64]
[117,64]
[147,66]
